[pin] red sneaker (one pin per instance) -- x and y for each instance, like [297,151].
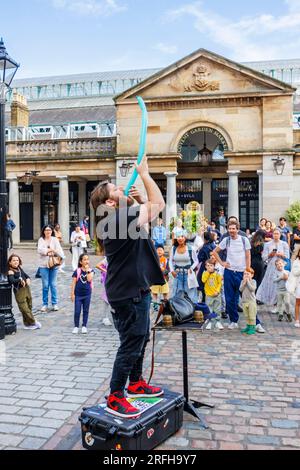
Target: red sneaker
[142,389]
[119,406]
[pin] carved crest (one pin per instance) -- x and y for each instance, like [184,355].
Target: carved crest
[200,82]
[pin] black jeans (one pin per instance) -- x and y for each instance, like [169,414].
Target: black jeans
[9,240]
[131,318]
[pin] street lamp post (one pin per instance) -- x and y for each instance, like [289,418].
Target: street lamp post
[8,68]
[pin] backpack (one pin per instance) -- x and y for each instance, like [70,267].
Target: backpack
[228,242]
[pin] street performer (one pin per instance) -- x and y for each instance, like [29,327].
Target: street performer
[133,267]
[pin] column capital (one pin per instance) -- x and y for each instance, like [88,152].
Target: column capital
[64,177]
[169,174]
[259,172]
[206,180]
[233,172]
[12,178]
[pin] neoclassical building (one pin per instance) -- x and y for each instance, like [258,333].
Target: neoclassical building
[219,132]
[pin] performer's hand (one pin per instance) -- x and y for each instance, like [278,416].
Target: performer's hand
[142,168]
[135,194]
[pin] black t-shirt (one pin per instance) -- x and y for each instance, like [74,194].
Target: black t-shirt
[83,287]
[133,264]
[296,231]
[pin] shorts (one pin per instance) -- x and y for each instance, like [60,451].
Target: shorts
[164,289]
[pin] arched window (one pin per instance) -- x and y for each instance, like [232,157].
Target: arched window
[202,144]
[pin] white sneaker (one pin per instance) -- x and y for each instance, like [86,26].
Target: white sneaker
[260,329]
[208,326]
[84,330]
[219,325]
[55,308]
[297,324]
[274,310]
[44,308]
[75,330]
[232,326]
[31,327]
[106,322]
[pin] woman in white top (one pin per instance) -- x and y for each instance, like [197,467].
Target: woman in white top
[48,245]
[273,250]
[78,242]
[183,261]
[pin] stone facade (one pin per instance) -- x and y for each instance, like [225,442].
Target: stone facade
[251,111]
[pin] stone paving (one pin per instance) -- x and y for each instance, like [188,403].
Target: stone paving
[47,375]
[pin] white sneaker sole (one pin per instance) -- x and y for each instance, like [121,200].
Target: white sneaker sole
[116,413]
[144,395]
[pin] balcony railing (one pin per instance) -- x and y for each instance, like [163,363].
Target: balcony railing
[60,148]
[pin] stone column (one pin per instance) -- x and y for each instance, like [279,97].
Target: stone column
[92,222]
[171,208]
[206,197]
[260,193]
[36,209]
[14,207]
[81,199]
[233,193]
[64,208]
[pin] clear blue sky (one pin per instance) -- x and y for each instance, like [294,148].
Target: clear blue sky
[55,37]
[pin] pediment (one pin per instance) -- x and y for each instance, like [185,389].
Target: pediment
[204,73]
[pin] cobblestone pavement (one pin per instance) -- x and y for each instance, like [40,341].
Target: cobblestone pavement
[47,375]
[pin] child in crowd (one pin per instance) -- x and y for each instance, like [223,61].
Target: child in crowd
[164,266]
[283,296]
[220,270]
[81,292]
[102,266]
[20,281]
[212,287]
[248,288]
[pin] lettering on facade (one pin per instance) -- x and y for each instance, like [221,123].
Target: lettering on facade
[207,130]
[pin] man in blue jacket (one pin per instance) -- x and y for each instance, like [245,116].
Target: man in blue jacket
[9,227]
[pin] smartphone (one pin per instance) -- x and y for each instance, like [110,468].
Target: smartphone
[275,250]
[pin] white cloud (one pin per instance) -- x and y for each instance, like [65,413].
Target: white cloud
[165,48]
[90,7]
[251,38]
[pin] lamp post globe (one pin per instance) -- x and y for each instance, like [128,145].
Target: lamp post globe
[8,68]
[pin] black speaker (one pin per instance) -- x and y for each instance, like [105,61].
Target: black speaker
[2,326]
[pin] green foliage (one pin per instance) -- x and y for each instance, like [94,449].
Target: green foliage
[293,213]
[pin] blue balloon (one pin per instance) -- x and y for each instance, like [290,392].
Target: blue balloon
[142,145]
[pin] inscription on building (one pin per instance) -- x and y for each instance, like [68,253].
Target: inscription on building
[207,130]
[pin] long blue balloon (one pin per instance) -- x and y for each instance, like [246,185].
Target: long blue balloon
[142,146]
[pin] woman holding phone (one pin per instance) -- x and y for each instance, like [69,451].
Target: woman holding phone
[273,250]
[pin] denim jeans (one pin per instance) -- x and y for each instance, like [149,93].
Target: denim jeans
[180,282]
[232,282]
[132,321]
[49,277]
[84,302]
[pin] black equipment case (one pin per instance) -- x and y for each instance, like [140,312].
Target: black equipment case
[102,430]
[2,326]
